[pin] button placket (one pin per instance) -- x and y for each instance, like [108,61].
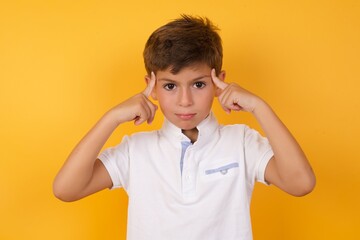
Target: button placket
[188,183]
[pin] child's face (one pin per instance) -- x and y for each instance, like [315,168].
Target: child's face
[186,97]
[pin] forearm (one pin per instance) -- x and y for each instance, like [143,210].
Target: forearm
[290,162]
[289,168]
[81,174]
[78,168]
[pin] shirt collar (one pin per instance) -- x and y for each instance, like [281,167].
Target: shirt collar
[206,129]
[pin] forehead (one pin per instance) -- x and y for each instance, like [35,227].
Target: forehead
[189,73]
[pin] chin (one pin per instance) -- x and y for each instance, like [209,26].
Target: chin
[185,126]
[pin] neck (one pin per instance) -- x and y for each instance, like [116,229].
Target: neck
[192,134]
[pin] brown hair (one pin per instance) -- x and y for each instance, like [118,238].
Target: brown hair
[182,42]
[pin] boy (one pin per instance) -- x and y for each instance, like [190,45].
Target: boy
[193,178]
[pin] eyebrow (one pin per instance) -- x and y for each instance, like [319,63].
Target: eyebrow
[174,81]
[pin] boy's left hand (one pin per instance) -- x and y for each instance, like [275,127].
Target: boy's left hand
[233,97]
[289,168]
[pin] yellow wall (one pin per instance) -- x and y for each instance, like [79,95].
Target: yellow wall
[64,63]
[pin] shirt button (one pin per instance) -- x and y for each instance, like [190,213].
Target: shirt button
[223,172]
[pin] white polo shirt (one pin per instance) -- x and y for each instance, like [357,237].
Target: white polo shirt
[178,190]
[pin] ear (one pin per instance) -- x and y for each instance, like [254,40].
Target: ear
[221,76]
[153,92]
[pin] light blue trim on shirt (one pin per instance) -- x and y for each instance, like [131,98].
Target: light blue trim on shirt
[184,146]
[223,169]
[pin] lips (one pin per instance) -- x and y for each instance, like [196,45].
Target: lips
[185,116]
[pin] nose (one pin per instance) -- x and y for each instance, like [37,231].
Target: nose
[185,98]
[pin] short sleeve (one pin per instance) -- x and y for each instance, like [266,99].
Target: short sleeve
[116,162]
[258,152]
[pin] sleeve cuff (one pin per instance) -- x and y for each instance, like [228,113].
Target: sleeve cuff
[262,166]
[111,171]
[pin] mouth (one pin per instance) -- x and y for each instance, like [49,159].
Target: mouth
[185,116]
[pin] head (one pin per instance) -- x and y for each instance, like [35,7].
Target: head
[183,42]
[182,54]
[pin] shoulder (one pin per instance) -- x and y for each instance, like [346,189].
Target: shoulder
[144,137]
[240,132]
[238,128]
[134,142]
[232,133]
[233,129]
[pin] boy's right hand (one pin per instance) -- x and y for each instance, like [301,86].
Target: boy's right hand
[82,174]
[138,108]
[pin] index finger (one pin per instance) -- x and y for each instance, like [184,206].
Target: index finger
[220,84]
[150,85]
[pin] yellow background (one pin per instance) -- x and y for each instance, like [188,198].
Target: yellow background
[64,63]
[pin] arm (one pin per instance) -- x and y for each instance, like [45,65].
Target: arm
[289,168]
[83,174]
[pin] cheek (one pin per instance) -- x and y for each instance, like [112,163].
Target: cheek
[164,99]
[207,103]
[206,97]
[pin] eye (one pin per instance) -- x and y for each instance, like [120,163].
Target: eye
[199,85]
[169,86]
